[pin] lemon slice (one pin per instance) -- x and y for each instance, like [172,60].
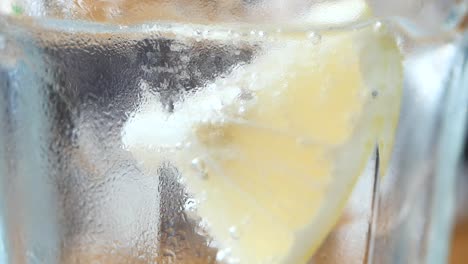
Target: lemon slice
[271,151]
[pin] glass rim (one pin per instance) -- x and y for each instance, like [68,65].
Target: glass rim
[317,16]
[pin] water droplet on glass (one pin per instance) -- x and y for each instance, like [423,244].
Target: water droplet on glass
[199,166]
[234,233]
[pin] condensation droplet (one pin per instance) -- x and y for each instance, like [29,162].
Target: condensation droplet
[199,166]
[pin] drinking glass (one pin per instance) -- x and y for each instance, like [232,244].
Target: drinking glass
[74,72]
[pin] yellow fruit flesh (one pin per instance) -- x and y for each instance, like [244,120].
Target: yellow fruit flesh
[277,173]
[282,180]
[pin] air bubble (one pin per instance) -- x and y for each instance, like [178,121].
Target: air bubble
[234,233]
[304,142]
[223,254]
[233,260]
[199,166]
[241,110]
[377,26]
[314,37]
[169,253]
[2,42]
[246,95]
[198,35]
[179,145]
[190,205]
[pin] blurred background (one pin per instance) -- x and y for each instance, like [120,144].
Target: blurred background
[459,253]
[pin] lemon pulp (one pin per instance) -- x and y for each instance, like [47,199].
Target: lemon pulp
[271,151]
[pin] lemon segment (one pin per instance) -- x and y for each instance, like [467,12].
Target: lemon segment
[272,150]
[284,149]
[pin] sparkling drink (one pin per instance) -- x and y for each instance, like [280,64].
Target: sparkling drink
[211,142]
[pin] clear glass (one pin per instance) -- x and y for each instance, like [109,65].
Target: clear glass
[72,73]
